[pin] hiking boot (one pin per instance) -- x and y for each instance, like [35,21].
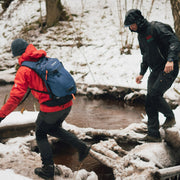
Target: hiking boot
[45,172]
[169,122]
[84,153]
[148,138]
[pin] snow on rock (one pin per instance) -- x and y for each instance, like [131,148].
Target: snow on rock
[82,174]
[130,96]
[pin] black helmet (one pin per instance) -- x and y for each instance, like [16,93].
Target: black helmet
[132,16]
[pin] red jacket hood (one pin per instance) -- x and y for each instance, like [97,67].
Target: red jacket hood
[31,54]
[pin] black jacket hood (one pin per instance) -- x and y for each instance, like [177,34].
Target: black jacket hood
[135,16]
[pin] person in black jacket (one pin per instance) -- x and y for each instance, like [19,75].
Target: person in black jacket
[159,48]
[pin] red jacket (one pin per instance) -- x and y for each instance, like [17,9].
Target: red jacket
[27,78]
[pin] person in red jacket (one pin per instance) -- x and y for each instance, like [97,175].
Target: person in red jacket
[49,120]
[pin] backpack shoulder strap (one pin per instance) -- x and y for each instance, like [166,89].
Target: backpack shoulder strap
[33,65]
[155,23]
[25,97]
[30,64]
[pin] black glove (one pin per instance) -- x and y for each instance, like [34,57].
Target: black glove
[1,119]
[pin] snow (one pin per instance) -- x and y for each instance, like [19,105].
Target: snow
[17,118]
[9,174]
[98,60]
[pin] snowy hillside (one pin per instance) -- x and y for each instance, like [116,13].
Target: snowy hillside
[96,25]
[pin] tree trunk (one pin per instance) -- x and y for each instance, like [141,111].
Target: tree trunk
[175,4]
[54,11]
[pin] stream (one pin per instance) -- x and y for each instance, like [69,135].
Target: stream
[100,114]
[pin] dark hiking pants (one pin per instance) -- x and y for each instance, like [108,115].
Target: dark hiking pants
[50,123]
[158,84]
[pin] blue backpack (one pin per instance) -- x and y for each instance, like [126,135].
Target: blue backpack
[59,82]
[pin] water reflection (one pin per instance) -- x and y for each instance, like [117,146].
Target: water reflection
[104,114]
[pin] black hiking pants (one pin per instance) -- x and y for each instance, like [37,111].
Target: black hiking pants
[158,84]
[50,123]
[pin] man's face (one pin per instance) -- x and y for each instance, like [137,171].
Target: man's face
[133,27]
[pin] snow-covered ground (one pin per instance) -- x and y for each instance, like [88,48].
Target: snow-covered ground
[98,26]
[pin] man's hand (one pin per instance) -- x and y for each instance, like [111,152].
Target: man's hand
[169,67]
[138,79]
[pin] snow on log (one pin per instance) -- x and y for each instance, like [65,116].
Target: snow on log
[167,173]
[133,133]
[140,162]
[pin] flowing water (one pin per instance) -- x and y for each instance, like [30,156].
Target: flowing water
[100,114]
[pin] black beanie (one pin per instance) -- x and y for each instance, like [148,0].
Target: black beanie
[18,47]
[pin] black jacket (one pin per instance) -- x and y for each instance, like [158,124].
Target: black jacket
[158,44]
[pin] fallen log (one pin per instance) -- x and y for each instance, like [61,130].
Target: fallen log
[167,173]
[12,131]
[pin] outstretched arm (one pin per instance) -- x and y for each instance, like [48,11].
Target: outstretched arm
[17,93]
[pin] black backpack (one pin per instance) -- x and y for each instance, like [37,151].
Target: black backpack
[169,29]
